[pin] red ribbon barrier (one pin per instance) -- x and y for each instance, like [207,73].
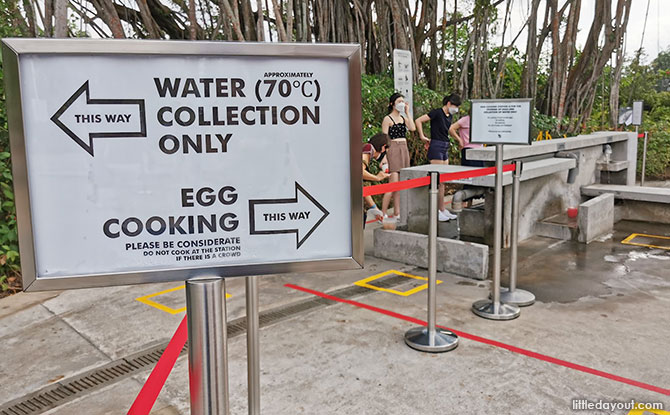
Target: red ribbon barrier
[152,387]
[640,135]
[425,181]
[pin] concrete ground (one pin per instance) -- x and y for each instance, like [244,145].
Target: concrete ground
[598,331]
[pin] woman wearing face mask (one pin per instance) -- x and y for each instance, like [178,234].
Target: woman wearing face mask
[438,149]
[395,124]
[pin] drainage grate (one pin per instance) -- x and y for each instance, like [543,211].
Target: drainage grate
[72,388]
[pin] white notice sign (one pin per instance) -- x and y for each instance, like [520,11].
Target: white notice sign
[500,121]
[402,76]
[239,160]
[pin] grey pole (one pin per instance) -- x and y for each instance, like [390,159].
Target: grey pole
[431,338]
[494,309]
[208,344]
[637,138]
[644,159]
[253,355]
[513,295]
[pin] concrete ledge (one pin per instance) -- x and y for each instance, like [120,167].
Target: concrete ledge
[613,166]
[640,211]
[643,194]
[596,217]
[553,230]
[457,257]
[511,152]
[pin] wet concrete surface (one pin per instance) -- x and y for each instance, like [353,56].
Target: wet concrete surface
[565,271]
[602,305]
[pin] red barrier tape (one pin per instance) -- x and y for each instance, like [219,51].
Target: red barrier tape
[152,387]
[640,135]
[495,343]
[425,181]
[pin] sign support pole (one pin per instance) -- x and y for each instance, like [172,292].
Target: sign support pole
[430,338]
[494,309]
[208,346]
[644,158]
[253,355]
[513,295]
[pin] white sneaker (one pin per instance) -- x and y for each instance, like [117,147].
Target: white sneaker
[445,215]
[442,217]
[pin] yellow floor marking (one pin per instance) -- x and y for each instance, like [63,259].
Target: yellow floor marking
[146,300]
[364,283]
[632,236]
[640,410]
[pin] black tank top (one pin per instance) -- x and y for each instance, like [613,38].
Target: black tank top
[397,130]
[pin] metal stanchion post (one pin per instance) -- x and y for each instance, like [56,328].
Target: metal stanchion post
[430,338]
[253,355]
[208,344]
[512,295]
[644,159]
[494,309]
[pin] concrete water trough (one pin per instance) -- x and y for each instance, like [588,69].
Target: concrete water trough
[557,175]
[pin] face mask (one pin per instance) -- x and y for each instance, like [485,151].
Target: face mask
[400,107]
[453,110]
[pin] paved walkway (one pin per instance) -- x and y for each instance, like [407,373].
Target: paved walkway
[598,331]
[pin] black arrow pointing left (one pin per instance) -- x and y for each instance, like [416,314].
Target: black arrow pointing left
[107,104]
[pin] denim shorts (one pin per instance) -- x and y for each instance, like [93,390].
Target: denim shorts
[438,150]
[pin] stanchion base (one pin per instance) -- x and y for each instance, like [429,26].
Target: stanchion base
[487,309]
[417,338]
[521,298]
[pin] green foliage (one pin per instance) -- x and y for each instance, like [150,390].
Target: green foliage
[662,61]
[9,249]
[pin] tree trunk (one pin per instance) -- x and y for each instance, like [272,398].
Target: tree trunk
[107,11]
[455,46]
[583,77]
[233,18]
[281,30]
[30,17]
[289,20]
[48,18]
[260,22]
[60,18]
[149,23]
[192,27]
[248,20]
[619,32]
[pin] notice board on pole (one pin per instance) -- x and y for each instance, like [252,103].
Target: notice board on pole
[500,121]
[403,78]
[149,161]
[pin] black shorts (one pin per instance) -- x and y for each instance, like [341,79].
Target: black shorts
[438,150]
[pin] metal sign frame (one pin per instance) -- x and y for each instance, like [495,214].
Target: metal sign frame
[474,140]
[13,49]
[638,109]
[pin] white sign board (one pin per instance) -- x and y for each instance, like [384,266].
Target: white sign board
[625,115]
[402,76]
[198,158]
[637,112]
[500,121]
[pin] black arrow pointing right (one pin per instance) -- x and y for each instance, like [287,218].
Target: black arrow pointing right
[300,225]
